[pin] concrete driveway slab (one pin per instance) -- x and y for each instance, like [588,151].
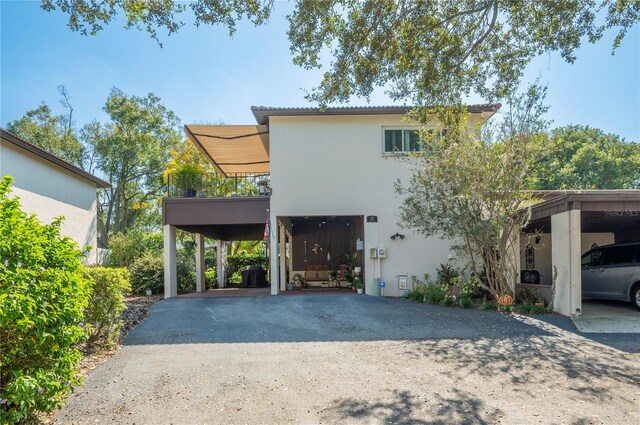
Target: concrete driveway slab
[608,317]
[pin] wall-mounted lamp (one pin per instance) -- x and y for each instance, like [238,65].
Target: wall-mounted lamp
[538,239]
[397,235]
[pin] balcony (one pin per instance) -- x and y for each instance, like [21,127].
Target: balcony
[235,208]
[214,185]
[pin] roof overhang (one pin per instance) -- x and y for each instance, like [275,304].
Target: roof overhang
[233,148]
[262,113]
[16,141]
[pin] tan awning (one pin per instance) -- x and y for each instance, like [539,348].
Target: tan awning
[233,148]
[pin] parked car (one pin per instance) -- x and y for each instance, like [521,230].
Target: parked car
[612,272]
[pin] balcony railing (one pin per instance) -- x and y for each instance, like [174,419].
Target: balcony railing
[214,185]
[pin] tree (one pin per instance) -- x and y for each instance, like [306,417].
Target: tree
[432,52]
[581,157]
[470,186]
[49,132]
[131,150]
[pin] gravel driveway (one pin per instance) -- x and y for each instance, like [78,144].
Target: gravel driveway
[357,359]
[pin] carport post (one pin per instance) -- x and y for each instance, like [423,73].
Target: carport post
[220,261]
[170,269]
[200,277]
[566,237]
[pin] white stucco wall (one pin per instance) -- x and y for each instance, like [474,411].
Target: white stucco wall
[49,191]
[565,252]
[334,165]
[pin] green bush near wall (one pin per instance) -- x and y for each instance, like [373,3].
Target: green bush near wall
[237,263]
[147,272]
[106,303]
[43,295]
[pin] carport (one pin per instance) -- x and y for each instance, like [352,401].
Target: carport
[566,224]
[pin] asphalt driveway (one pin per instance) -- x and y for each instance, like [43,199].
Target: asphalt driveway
[357,359]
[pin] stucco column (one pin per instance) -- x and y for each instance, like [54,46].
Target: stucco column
[282,256]
[201,284]
[274,262]
[221,248]
[566,237]
[170,268]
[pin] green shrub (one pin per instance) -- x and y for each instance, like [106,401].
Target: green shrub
[211,277]
[416,294]
[124,250]
[147,272]
[434,294]
[530,309]
[237,263]
[186,277]
[106,303]
[465,300]
[447,276]
[489,305]
[43,294]
[526,296]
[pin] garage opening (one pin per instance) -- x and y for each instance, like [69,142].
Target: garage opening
[320,253]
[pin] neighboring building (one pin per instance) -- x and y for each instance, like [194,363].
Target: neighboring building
[51,187]
[331,175]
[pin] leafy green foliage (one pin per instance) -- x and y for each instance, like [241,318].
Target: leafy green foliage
[434,294]
[106,303]
[131,150]
[49,132]
[471,187]
[125,249]
[436,52]
[43,294]
[237,263]
[581,157]
[147,272]
[433,52]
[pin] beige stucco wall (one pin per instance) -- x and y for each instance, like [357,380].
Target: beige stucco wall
[51,191]
[334,165]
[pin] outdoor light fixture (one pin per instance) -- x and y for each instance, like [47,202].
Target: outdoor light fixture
[397,235]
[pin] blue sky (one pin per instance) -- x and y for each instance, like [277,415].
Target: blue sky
[203,75]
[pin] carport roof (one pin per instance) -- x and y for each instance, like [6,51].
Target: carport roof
[602,210]
[625,201]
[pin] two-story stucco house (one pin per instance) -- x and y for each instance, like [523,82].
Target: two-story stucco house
[331,175]
[50,187]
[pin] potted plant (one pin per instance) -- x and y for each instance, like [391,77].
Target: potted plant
[263,187]
[334,277]
[187,177]
[359,285]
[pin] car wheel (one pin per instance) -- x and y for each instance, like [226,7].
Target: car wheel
[635,295]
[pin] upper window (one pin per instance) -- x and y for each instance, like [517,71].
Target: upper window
[401,140]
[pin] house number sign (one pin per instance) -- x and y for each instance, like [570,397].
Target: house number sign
[632,213]
[372,219]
